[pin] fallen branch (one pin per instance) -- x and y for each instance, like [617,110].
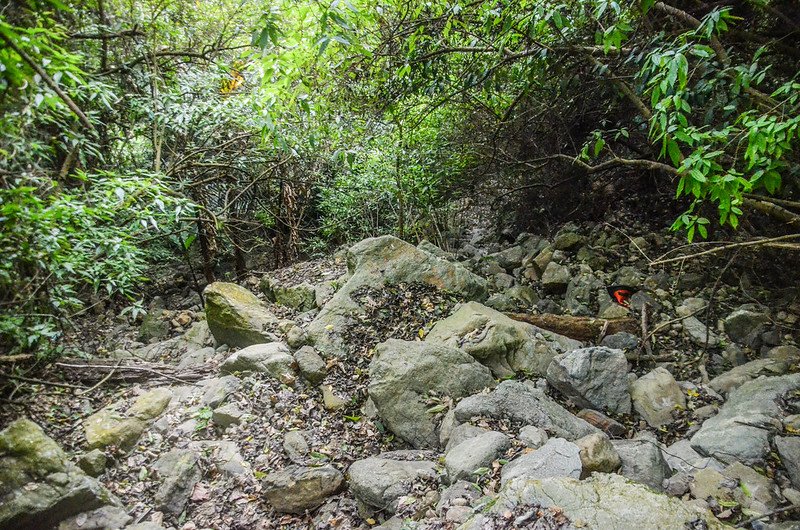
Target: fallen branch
[39,381]
[15,358]
[95,370]
[756,242]
[584,329]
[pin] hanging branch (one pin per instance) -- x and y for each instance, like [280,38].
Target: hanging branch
[48,80]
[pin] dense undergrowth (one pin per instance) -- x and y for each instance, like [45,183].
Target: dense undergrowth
[222,137]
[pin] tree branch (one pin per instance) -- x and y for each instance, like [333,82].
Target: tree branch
[105,36]
[49,81]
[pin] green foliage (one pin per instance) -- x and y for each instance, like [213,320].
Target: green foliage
[60,244]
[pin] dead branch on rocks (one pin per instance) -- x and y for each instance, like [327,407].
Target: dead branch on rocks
[584,329]
[130,370]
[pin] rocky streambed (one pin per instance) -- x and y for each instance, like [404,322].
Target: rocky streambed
[391,388]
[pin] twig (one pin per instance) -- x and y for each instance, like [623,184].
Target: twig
[40,381]
[15,358]
[103,380]
[768,514]
[726,247]
[668,322]
[645,321]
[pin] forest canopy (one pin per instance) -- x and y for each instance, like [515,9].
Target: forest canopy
[230,135]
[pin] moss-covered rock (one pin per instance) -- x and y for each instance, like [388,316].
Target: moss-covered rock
[39,487]
[236,317]
[302,297]
[111,426]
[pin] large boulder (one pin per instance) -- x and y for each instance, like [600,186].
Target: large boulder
[380,261]
[39,486]
[595,377]
[403,373]
[504,345]
[379,482]
[236,317]
[742,429]
[598,503]
[523,405]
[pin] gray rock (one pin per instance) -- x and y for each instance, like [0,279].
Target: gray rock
[236,317]
[598,454]
[273,359]
[681,458]
[522,403]
[217,390]
[179,473]
[568,241]
[301,297]
[742,428]
[503,281]
[430,248]
[478,452]
[462,493]
[224,455]
[755,492]
[513,299]
[403,373]
[153,326]
[93,463]
[39,487]
[789,450]
[107,517]
[642,461]
[699,333]
[581,292]
[380,261]
[296,337]
[598,503]
[628,276]
[533,437]
[786,354]
[556,458]
[620,341]
[656,395]
[196,357]
[504,345]
[555,278]
[227,415]
[461,433]
[593,377]
[378,482]
[745,325]
[739,375]
[677,485]
[296,489]
[295,445]
[312,367]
